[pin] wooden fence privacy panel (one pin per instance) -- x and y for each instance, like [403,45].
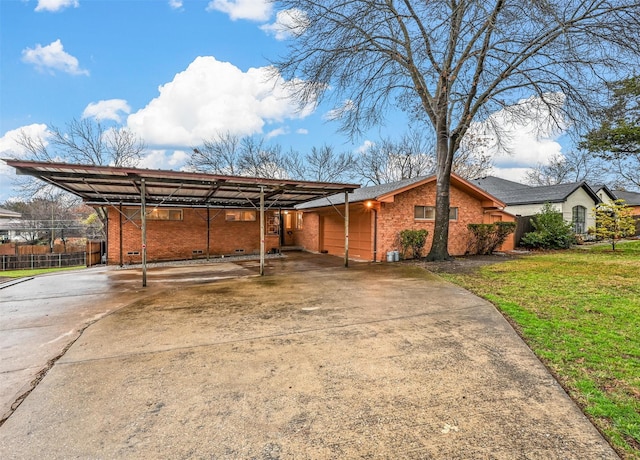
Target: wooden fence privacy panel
[523,226]
[95,249]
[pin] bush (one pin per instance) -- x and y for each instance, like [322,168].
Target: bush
[414,240]
[486,238]
[614,221]
[551,231]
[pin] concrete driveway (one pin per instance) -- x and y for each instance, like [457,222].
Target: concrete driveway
[313,361]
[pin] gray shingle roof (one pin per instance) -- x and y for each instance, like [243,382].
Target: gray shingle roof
[497,186]
[630,198]
[597,187]
[362,194]
[513,193]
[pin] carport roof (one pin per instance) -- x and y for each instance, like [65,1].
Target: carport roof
[107,185]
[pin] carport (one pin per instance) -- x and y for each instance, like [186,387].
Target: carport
[115,187]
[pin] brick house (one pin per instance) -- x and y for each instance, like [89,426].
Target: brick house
[186,214]
[377,214]
[175,233]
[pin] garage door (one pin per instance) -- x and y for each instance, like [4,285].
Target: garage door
[360,235]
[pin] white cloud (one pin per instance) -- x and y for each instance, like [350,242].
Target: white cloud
[52,57]
[512,174]
[175,4]
[163,159]
[110,109]
[366,145]
[339,112]
[254,10]
[9,148]
[212,97]
[288,23]
[302,131]
[56,5]
[177,158]
[276,132]
[522,136]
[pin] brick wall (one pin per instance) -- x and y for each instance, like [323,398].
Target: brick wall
[398,215]
[309,237]
[184,239]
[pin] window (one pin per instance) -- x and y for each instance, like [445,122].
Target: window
[154,214]
[164,214]
[579,214]
[293,220]
[429,213]
[239,215]
[424,212]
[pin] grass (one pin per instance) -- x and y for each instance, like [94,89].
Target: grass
[579,311]
[34,272]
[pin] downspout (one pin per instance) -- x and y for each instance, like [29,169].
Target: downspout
[346,229]
[120,221]
[143,216]
[375,234]
[261,231]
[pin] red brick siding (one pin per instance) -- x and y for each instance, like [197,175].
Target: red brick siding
[398,215]
[175,240]
[309,237]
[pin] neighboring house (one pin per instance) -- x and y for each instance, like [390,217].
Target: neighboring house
[575,201]
[631,199]
[377,214]
[605,194]
[8,222]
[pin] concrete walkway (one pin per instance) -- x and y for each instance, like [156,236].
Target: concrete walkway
[313,361]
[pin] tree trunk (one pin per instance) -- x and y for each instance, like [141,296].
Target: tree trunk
[439,249]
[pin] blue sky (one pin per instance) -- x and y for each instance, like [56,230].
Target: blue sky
[173,71]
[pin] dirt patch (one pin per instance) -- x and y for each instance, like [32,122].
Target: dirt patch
[467,264]
[5,279]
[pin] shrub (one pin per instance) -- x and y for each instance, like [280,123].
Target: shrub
[414,240]
[551,231]
[486,238]
[614,221]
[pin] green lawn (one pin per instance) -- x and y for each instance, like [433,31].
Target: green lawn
[37,271]
[579,311]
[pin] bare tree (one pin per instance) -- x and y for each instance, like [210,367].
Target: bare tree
[83,141]
[574,166]
[390,161]
[251,156]
[627,169]
[321,164]
[261,160]
[239,156]
[454,62]
[218,155]
[472,160]
[48,217]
